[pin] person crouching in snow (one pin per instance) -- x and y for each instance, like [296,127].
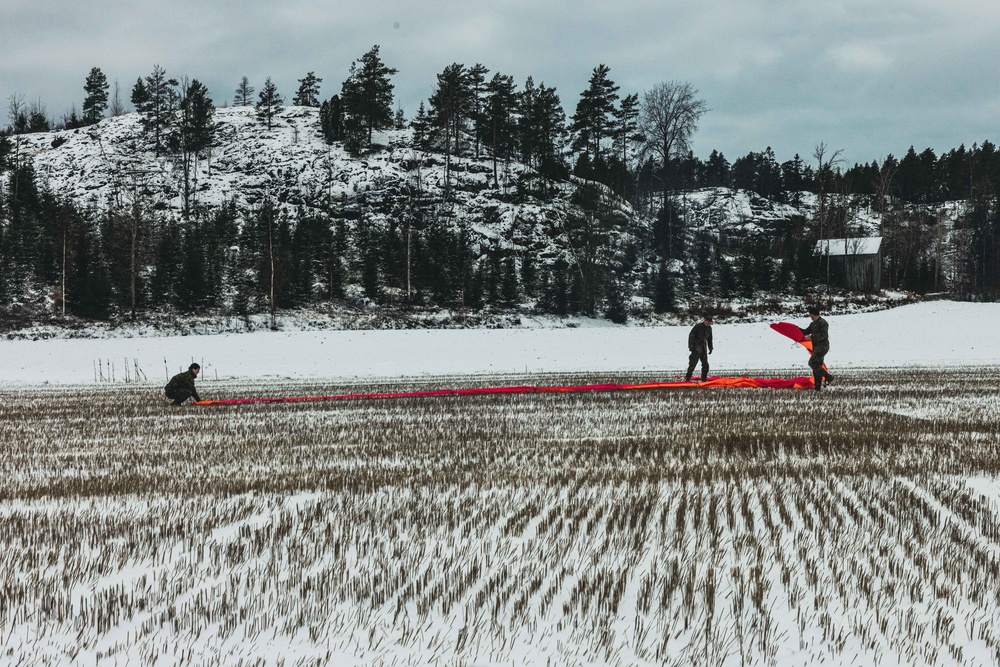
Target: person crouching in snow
[181,386]
[819,333]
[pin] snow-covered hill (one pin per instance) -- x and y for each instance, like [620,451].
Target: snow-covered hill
[291,163]
[503,206]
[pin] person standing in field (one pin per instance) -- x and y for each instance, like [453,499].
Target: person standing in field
[700,345]
[819,333]
[181,386]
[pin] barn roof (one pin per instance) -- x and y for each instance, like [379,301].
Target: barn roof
[869,245]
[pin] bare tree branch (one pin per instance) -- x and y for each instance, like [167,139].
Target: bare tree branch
[669,118]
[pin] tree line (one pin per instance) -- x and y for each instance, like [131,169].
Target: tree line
[101,263]
[636,146]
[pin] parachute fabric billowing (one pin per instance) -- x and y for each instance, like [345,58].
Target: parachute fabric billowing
[795,333]
[790,330]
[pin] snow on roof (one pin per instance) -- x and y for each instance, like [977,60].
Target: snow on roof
[858,246]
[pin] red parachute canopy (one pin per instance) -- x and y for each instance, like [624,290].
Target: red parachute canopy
[784,328]
[795,333]
[746,382]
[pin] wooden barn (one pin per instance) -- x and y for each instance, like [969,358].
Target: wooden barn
[854,263]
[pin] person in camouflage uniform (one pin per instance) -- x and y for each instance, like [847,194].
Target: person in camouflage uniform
[819,333]
[181,386]
[700,345]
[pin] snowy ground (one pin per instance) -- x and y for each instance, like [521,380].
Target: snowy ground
[938,333]
[680,527]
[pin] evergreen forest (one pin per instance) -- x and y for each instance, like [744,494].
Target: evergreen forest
[598,189]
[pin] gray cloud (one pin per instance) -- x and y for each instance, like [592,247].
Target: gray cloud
[871,78]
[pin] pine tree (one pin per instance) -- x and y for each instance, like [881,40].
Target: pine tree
[308,92]
[140,96]
[464,276]
[167,261]
[89,285]
[669,231]
[421,125]
[331,120]
[22,223]
[244,93]
[616,306]
[626,127]
[449,111]
[542,129]
[6,150]
[72,121]
[718,171]
[557,293]
[191,289]
[366,98]
[156,100]
[262,270]
[593,119]
[477,91]
[196,130]
[664,299]
[38,120]
[492,277]
[220,233]
[498,125]
[509,291]
[370,255]
[269,103]
[529,277]
[120,234]
[96,101]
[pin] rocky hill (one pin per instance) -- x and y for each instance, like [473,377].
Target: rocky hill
[104,163]
[505,207]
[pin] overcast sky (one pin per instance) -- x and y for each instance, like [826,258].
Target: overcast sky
[870,77]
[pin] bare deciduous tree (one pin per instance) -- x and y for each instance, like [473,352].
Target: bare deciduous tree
[668,119]
[882,183]
[827,164]
[117,107]
[15,109]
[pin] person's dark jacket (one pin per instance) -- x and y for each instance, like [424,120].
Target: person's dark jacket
[700,338]
[819,330]
[182,383]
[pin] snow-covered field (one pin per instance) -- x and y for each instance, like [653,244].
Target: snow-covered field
[936,333]
[682,527]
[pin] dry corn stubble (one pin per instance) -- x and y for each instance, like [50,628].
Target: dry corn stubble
[647,527]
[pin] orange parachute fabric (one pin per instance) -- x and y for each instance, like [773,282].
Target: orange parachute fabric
[795,333]
[785,328]
[740,382]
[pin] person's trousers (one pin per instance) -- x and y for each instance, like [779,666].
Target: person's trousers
[696,356]
[819,373]
[178,396]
